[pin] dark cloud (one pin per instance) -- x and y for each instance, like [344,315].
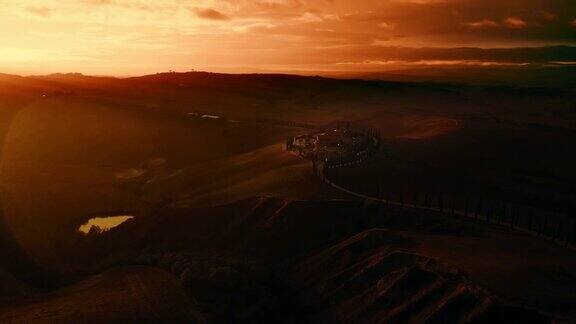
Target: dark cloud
[503,55]
[525,20]
[208,13]
[484,22]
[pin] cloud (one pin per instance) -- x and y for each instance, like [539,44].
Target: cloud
[515,23]
[135,33]
[520,55]
[39,11]
[385,25]
[484,23]
[548,16]
[432,63]
[421,2]
[99,2]
[209,13]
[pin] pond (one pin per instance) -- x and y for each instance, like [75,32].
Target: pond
[105,223]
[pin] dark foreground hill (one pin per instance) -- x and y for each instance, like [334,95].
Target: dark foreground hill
[268,259]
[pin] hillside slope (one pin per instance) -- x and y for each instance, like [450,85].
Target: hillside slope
[121,294]
[341,261]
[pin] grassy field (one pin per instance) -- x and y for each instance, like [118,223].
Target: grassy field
[64,160]
[478,159]
[75,140]
[76,146]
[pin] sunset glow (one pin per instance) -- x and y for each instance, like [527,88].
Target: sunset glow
[287,161]
[143,36]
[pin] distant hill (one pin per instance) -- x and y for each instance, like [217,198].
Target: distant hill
[533,76]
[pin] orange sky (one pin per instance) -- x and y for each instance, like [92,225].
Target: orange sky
[127,37]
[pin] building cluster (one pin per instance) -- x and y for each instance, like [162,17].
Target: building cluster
[339,145]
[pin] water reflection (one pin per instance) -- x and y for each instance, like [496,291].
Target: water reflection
[103,223]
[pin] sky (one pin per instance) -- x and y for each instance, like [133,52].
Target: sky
[131,37]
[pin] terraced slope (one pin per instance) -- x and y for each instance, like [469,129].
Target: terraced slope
[339,261]
[395,286]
